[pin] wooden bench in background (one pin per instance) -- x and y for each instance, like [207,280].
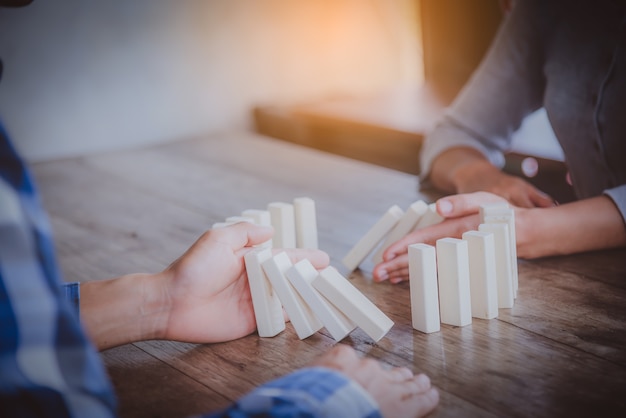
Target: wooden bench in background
[388,130]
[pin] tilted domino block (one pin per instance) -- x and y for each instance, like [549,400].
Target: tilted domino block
[267,307]
[423,287]
[306,223]
[301,276]
[482,268]
[490,214]
[302,317]
[260,217]
[283,220]
[405,225]
[504,275]
[368,242]
[431,217]
[454,285]
[354,304]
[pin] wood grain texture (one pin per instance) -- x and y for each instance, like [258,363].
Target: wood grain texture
[560,351]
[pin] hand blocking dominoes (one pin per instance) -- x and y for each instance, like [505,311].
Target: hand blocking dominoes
[312,299]
[459,278]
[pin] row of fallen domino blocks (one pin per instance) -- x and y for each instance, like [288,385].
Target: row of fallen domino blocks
[459,278]
[312,299]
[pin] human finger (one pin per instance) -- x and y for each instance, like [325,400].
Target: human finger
[400,374]
[525,195]
[399,275]
[399,247]
[318,258]
[422,382]
[424,403]
[397,391]
[541,199]
[241,234]
[340,357]
[383,271]
[453,228]
[458,205]
[521,200]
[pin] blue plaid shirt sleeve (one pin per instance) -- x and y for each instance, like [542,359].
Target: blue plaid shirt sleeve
[306,393]
[48,367]
[71,293]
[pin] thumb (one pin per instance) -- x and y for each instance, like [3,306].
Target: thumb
[243,234]
[465,204]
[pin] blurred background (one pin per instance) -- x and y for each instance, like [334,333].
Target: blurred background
[85,76]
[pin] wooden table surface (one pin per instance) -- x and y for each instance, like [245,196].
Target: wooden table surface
[560,351]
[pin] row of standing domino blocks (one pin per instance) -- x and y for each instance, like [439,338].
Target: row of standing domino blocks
[312,299]
[459,278]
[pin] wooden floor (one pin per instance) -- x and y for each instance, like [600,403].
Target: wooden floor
[561,351]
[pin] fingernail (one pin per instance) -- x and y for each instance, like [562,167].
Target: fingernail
[383,275]
[445,206]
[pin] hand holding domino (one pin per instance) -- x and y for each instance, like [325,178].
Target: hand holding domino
[460,278]
[312,299]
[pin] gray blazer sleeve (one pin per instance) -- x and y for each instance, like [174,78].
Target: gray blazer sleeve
[505,88]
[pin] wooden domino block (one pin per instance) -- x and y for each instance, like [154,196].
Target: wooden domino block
[405,225]
[302,317]
[491,208]
[490,214]
[454,285]
[354,304]
[423,287]
[301,276]
[431,217]
[260,217]
[267,307]
[306,222]
[482,270]
[368,242]
[283,220]
[504,275]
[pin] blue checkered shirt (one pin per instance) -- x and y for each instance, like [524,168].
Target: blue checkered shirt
[49,368]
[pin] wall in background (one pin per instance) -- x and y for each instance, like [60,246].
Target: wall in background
[84,76]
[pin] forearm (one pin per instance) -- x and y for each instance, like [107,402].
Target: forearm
[585,225]
[454,168]
[123,310]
